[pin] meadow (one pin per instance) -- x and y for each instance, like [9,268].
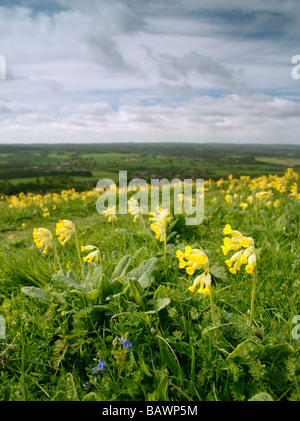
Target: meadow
[135,307]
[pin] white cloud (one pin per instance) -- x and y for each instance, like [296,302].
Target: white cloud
[121,71]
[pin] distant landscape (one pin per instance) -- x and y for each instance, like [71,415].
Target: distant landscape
[42,168]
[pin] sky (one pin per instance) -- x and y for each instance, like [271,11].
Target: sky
[149,71]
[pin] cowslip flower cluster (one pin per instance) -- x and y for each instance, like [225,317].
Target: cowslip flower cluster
[134,209]
[42,238]
[160,220]
[64,229]
[244,250]
[191,260]
[93,255]
[110,213]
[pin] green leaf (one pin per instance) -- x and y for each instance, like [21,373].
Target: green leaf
[261,397]
[245,351]
[277,352]
[90,397]
[143,366]
[121,267]
[168,358]
[37,293]
[92,295]
[154,306]
[68,282]
[145,272]
[218,272]
[139,252]
[71,392]
[136,290]
[72,275]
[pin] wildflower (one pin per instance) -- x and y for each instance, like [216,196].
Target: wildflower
[42,237]
[244,251]
[64,229]
[134,209]
[94,255]
[227,229]
[100,366]
[45,212]
[251,264]
[110,212]
[235,242]
[192,259]
[159,220]
[243,205]
[204,280]
[127,345]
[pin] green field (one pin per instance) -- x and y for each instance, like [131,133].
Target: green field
[43,168]
[153,310]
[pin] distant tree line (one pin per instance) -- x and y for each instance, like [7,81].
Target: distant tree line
[11,173]
[57,185]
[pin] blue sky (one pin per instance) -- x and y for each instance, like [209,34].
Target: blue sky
[155,71]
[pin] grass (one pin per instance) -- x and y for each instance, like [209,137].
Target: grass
[57,330]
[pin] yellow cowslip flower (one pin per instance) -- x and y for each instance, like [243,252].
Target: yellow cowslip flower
[204,280]
[227,229]
[294,191]
[246,256]
[45,212]
[243,205]
[110,212]
[42,238]
[245,242]
[134,209]
[159,220]
[192,259]
[251,264]
[64,229]
[93,256]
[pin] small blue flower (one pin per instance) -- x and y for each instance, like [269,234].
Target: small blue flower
[100,366]
[125,343]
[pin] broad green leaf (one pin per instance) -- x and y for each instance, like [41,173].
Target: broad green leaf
[37,293]
[139,252]
[245,350]
[121,267]
[92,295]
[261,397]
[136,290]
[68,282]
[72,275]
[218,272]
[145,272]
[154,306]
